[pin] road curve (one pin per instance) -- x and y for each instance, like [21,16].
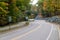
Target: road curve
[37,30]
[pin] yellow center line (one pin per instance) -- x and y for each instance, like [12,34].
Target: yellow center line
[20,36]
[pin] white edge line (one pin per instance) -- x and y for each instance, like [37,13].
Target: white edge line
[50,33]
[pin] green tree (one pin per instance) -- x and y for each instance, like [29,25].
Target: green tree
[12,8]
[3,13]
[23,4]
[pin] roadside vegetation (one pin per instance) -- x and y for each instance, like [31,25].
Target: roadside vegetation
[13,11]
[49,8]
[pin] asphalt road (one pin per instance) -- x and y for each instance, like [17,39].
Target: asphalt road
[36,30]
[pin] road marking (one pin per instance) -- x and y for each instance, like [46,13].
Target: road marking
[18,37]
[50,33]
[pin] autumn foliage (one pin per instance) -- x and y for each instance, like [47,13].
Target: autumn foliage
[12,8]
[50,7]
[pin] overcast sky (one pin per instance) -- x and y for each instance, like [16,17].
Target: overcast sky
[34,2]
